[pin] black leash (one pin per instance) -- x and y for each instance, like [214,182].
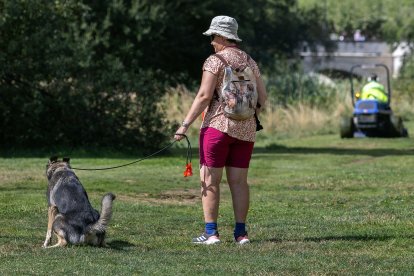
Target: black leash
[189,156]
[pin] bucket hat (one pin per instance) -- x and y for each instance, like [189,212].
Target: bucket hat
[224,26]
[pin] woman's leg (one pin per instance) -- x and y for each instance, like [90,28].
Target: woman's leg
[237,180]
[210,192]
[213,154]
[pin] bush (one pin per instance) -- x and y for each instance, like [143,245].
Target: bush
[81,84]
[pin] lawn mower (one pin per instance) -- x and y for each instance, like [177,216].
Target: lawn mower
[371,118]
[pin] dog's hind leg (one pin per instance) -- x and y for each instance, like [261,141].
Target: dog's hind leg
[61,240]
[52,212]
[59,227]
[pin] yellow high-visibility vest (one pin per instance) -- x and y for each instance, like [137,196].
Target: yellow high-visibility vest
[375,91]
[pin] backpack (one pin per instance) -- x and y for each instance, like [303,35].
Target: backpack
[238,92]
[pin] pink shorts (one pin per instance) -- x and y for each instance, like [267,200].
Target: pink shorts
[218,149]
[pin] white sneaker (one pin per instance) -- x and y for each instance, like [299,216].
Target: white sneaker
[207,239]
[242,239]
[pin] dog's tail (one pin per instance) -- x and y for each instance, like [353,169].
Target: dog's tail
[106,214]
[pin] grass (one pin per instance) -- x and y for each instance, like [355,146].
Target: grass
[319,205]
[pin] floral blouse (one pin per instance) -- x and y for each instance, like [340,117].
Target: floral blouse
[213,115]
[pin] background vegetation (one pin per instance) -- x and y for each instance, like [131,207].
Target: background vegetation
[383,19]
[91,73]
[88,73]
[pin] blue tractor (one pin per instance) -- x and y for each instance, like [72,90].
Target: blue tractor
[371,118]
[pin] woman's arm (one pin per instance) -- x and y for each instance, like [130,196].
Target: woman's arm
[201,101]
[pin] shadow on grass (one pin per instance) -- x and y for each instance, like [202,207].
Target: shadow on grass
[352,238]
[86,152]
[182,152]
[22,188]
[274,148]
[119,245]
[341,238]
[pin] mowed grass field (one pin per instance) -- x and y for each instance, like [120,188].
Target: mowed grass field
[319,205]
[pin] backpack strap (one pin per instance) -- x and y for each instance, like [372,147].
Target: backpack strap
[224,61]
[227,64]
[220,57]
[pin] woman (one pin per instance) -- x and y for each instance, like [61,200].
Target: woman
[224,142]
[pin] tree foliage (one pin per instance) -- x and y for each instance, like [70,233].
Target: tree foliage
[377,19]
[90,73]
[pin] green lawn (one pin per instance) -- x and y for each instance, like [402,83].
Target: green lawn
[319,205]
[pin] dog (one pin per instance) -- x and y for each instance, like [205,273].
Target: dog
[71,216]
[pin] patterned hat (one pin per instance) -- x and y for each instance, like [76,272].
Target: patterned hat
[224,26]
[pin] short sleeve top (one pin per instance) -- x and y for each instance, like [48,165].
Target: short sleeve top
[213,115]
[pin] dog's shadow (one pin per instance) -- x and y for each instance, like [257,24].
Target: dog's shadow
[119,245]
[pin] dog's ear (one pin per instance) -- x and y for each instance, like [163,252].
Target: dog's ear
[66,159]
[53,158]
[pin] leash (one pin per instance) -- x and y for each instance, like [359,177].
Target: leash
[188,171]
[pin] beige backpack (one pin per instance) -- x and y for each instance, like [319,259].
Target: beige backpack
[238,92]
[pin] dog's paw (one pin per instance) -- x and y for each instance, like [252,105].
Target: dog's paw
[46,243]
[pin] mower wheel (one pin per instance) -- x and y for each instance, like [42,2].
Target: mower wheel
[347,127]
[397,128]
[405,133]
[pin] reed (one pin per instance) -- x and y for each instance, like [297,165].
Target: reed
[294,119]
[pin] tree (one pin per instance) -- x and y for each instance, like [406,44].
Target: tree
[90,73]
[377,19]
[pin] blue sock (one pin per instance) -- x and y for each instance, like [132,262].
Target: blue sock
[211,228]
[239,229]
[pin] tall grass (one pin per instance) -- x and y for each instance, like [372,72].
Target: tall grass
[176,103]
[305,115]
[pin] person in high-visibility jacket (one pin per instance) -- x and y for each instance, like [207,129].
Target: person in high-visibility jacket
[374,90]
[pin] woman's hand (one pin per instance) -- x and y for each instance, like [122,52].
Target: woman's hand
[180,130]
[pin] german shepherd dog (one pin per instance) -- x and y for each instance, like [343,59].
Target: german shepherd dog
[71,215]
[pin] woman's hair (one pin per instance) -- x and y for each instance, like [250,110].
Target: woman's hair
[232,41]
